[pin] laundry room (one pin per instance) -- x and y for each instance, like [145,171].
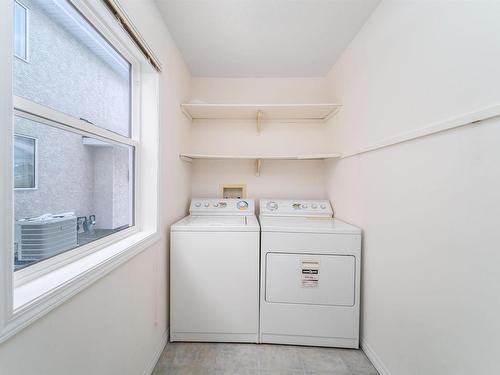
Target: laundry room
[249,187]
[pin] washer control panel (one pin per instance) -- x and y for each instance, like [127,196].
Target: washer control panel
[289,207]
[215,206]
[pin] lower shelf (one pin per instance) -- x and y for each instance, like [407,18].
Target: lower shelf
[258,158]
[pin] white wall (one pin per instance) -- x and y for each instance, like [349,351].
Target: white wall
[429,208]
[278,179]
[116,325]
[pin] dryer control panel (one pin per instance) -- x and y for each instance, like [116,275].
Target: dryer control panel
[290,207]
[216,207]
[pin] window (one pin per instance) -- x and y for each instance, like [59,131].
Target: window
[24,162]
[73,69]
[74,150]
[87,139]
[20,31]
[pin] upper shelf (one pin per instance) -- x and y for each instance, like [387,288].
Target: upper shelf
[190,157]
[261,111]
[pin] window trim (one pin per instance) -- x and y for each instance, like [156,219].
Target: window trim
[27,36]
[35,187]
[102,256]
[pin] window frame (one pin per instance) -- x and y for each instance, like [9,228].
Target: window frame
[35,167]
[31,110]
[27,35]
[31,292]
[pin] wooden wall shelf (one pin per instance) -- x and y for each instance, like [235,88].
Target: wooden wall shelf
[258,158]
[261,112]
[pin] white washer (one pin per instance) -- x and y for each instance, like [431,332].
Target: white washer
[214,268]
[310,275]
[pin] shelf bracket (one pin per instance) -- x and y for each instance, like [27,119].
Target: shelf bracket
[259,121]
[186,113]
[258,165]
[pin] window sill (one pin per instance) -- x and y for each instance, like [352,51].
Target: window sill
[37,297]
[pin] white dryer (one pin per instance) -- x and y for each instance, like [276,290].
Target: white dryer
[214,272]
[310,275]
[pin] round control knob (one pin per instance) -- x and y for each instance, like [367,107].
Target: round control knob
[198,204]
[216,205]
[323,206]
[314,205]
[207,205]
[242,205]
[304,206]
[272,206]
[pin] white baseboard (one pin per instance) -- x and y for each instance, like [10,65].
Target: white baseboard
[374,358]
[156,355]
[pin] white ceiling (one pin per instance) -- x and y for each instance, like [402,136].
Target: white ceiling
[263,38]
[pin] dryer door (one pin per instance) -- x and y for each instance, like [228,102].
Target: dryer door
[310,279]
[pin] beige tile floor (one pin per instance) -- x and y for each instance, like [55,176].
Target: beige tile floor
[251,359]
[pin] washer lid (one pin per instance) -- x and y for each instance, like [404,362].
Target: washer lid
[194,223]
[306,225]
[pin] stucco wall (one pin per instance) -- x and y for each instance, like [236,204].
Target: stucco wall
[66,184]
[62,73]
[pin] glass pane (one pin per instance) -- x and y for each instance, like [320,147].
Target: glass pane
[24,162]
[84,193]
[73,69]
[20,31]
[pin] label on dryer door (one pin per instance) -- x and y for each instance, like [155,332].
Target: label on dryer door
[310,274]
